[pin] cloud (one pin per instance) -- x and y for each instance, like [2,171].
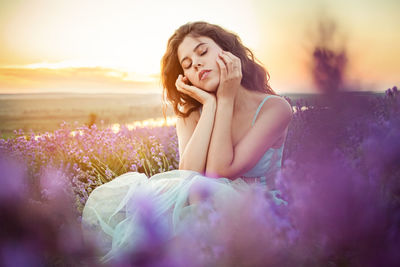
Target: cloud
[75,79]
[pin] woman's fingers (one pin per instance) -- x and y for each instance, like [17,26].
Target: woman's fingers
[236,61]
[181,82]
[233,63]
[185,91]
[178,83]
[227,60]
[192,91]
[189,90]
[222,68]
[181,86]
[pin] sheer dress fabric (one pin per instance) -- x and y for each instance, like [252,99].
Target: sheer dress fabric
[114,211]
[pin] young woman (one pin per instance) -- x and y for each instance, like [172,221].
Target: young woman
[231,129]
[225,125]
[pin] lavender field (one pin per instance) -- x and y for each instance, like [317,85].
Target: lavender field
[340,176]
[44,112]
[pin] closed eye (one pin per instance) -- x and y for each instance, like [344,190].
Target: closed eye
[202,54]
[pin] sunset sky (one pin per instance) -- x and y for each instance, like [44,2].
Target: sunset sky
[95,46]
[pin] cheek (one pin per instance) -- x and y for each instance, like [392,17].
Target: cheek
[216,55]
[188,75]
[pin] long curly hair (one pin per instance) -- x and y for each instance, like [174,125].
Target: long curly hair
[254,76]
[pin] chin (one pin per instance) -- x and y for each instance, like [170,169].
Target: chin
[211,87]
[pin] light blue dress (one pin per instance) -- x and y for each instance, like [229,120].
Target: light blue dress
[114,211]
[270,163]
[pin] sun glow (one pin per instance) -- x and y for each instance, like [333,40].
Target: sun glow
[41,43]
[120,36]
[152,123]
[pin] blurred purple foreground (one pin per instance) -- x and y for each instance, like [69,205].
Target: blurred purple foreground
[340,176]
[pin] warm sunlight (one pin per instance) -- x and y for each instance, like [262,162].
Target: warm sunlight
[151,123]
[116,46]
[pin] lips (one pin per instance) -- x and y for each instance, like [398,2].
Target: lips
[203,74]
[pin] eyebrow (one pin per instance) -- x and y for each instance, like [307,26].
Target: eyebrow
[194,50]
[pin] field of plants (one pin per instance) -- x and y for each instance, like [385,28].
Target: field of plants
[340,177]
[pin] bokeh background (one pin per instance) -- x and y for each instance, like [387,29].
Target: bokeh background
[98,62]
[116,46]
[80,104]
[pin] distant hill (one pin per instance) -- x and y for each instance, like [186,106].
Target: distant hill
[46,111]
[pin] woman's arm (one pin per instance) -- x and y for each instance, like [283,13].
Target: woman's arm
[225,160]
[194,138]
[220,153]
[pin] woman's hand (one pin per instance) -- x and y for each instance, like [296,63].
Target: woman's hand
[200,95]
[230,75]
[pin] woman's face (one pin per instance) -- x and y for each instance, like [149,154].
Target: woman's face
[197,56]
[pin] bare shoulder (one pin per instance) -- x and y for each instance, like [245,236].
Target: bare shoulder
[279,102]
[278,107]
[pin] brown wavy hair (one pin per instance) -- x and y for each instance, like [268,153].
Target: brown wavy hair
[254,76]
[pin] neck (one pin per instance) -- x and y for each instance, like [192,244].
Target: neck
[242,98]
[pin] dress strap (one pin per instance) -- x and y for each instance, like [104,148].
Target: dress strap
[259,108]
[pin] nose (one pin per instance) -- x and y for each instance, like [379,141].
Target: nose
[197,64]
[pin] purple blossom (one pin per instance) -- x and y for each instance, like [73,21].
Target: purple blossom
[339,177]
